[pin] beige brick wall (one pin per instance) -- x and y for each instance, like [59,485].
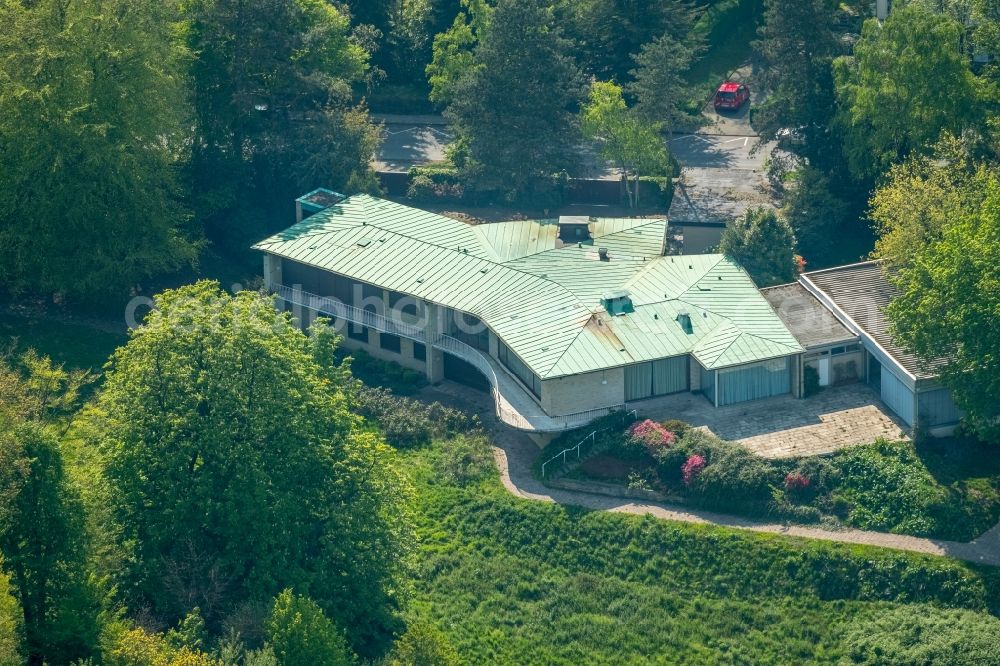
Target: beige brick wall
[578,393]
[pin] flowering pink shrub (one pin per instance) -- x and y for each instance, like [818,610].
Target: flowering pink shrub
[691,468]
[650,435]
[795,481]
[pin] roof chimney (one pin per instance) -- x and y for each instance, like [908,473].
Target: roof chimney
[602,254]
[684,319]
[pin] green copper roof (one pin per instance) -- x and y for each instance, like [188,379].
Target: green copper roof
[543,298]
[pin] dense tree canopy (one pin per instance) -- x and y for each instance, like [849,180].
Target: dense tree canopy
[92,114]
[763,243]
[795,50]
[623,137]
[299,633]
[219,413]
[515,106]
[10,625]
[949,284]
[273,111]
[907,82]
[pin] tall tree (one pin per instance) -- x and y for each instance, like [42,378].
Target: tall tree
[92,127]
[659,85]
[220,413]
[948,304]
[452,50]
[515,107]
[610,32]
[907,83]
[623,137]
[272,86]
[795,48]
[10,625]
[922,195]
[763,244]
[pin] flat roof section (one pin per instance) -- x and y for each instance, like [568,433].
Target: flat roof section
[811,322]
[862,292]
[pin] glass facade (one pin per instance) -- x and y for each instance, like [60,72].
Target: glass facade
[520,370]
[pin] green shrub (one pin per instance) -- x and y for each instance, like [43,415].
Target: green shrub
[887,487]
[423,645]
[376,372]
[405,422]
[923,635]
[300,633]
[810,381]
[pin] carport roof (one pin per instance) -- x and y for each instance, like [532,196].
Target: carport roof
[541,297]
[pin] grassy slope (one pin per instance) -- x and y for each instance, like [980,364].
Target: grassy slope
[520,582]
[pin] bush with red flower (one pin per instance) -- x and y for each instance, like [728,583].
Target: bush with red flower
[650,436]
[691,468]
[794,481]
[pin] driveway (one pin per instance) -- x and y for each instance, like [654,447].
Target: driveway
[411,140]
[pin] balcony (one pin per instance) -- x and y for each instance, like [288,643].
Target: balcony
[515,406]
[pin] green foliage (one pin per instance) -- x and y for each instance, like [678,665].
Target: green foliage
[659,84]
[949,296]
[609,32]
[92,116]
[300,633]
[763,244]
[922,635]
[511,581]
[464,459]
[273,113]
[794,51]
[230,421]
[10,624]
[921,196]
[453,51]
[887,489]
[907,83]
[422,645]
[622,137]
[78,347]
[515,105]
[819,211]
[43,546]
[125,646]
[386,374]
[407,423]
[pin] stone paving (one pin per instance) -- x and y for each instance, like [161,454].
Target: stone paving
[785,426]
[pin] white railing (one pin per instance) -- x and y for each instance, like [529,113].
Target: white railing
[339,310]
[592,438]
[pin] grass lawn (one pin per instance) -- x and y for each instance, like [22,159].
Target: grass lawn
[76,345]
[513,581]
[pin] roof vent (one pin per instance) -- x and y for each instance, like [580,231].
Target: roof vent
[602,254]
[684,319]
[617,302]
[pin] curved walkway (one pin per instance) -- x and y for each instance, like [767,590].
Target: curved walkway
[515,454]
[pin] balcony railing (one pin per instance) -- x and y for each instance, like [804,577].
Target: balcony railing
[505,412]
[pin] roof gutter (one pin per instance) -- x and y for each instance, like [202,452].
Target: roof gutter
[849,323]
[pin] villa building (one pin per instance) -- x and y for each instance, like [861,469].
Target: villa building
[564,320]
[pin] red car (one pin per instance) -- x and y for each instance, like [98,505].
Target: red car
[732,95]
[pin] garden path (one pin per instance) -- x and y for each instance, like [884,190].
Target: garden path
[515,454]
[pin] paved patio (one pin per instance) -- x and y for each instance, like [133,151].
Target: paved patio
[784,427]
[781,427]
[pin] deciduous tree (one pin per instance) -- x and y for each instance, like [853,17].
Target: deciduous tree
[299,633]
[92,128]
[219,413]
[907,82]
[763,244]
[623,137]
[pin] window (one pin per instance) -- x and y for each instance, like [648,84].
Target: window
[419,351]
[847,349]
[519,369]
[357,332]
[389,342]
